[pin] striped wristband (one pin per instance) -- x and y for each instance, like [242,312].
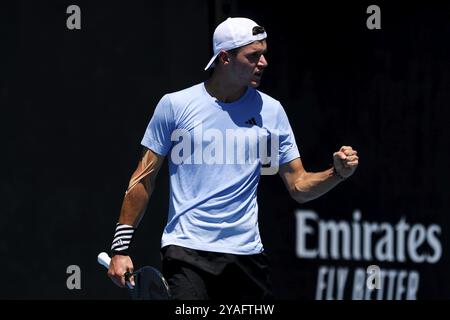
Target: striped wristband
[122,239]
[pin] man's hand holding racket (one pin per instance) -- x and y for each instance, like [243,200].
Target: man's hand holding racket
[147,283]
[121,271]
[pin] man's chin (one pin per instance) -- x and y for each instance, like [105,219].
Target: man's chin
[254,83]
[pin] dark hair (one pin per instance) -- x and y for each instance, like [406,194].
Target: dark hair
[257,30]
[232,52]
[235,51]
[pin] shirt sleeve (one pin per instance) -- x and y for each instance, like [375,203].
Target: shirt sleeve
[159,130]
[288,150]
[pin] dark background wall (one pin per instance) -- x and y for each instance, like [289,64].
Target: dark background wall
[75,104]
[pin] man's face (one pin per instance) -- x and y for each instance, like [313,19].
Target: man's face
[249,63]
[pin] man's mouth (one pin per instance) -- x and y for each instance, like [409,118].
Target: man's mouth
[258,73]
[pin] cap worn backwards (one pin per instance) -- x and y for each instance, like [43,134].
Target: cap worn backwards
[234,33]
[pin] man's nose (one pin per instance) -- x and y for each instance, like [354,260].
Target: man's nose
[262,63]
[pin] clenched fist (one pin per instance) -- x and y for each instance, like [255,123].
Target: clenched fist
[345,161]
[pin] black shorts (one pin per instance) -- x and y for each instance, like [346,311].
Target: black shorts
[194,274]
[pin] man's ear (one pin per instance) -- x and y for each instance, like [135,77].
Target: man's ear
[224,57]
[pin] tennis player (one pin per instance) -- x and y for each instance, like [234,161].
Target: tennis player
[216,136]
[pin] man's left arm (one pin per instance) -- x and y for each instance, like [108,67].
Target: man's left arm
[304,186]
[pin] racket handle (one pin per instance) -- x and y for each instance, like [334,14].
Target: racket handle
[105,260]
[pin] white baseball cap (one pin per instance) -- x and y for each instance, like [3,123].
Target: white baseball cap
[234,33]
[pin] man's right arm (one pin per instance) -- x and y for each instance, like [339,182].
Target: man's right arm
[140,188]
[134,204]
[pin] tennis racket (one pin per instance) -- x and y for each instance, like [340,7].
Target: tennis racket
[149,282]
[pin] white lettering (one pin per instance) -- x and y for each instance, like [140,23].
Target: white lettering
[374,21]
[303,229]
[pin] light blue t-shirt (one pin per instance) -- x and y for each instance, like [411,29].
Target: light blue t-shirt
[215,152]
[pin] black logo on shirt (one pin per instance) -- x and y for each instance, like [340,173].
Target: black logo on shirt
[251,121]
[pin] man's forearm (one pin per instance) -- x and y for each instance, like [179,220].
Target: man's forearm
[311,185]
[134,205]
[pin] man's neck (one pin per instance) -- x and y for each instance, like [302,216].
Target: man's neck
[223,90]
